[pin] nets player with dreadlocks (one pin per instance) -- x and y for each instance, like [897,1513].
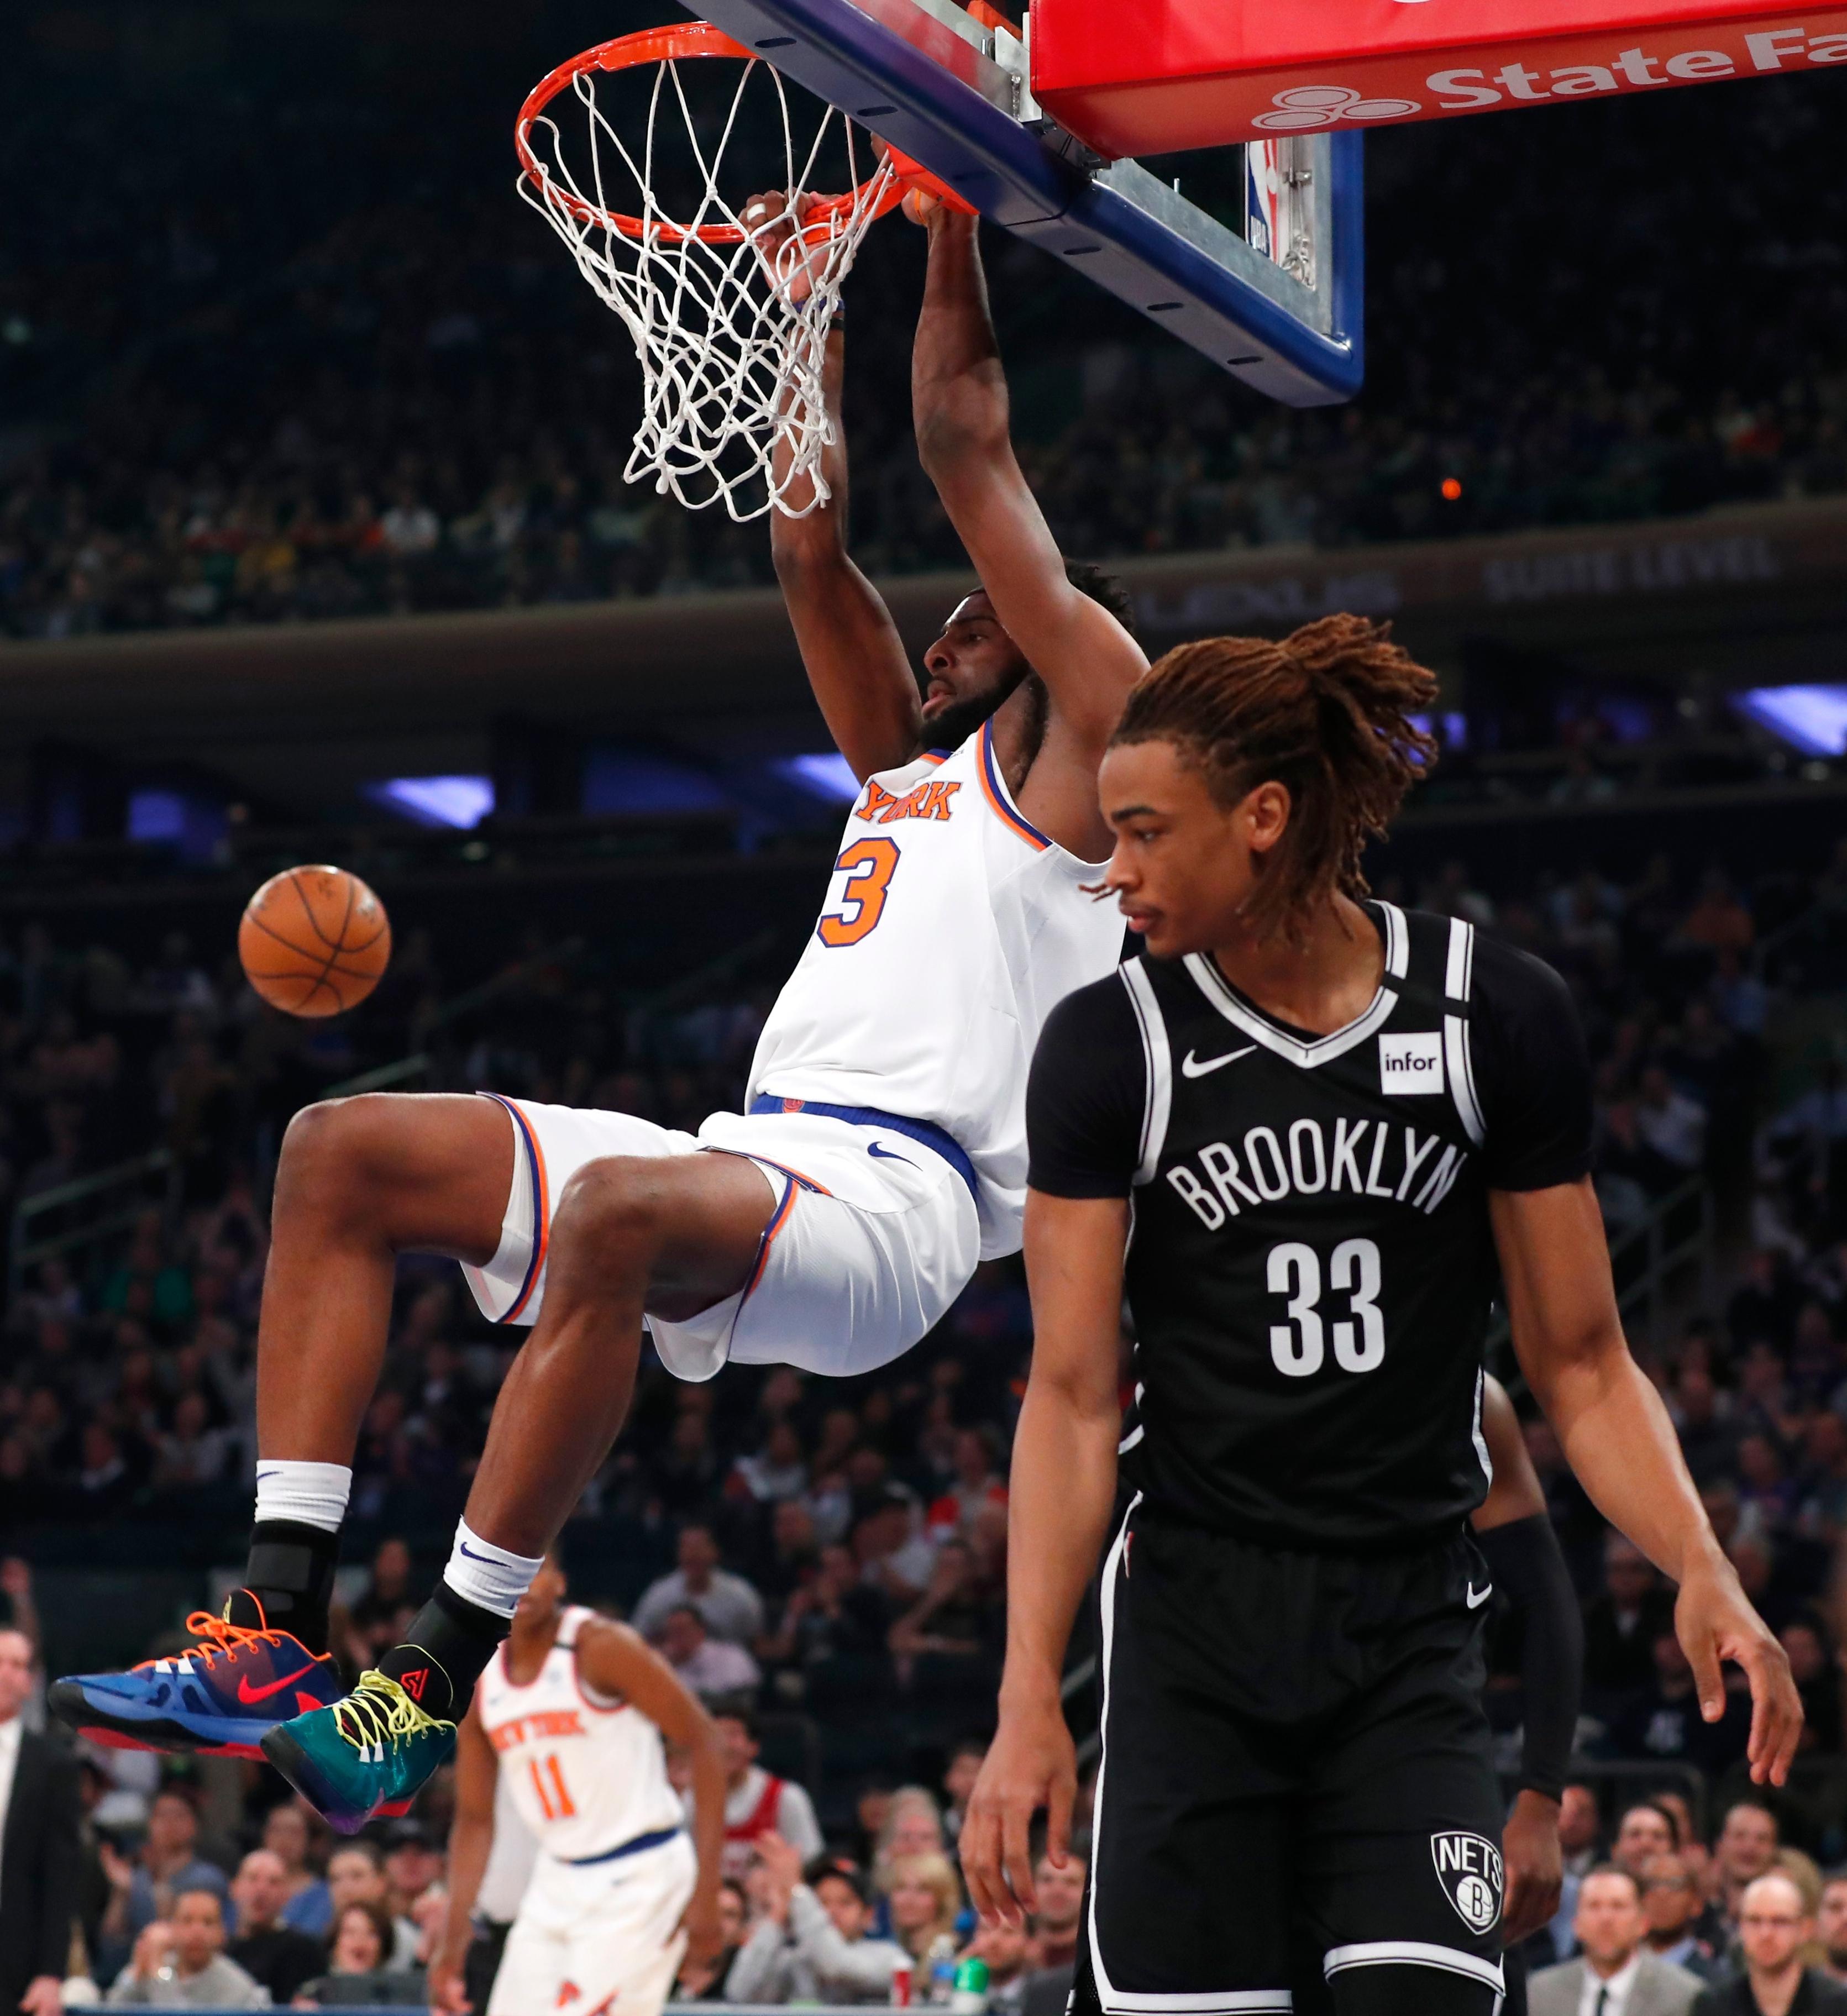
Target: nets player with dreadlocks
[1327,1120]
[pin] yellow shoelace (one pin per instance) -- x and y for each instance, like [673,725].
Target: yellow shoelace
[378,1712]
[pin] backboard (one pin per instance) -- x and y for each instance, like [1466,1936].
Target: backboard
[1278,304]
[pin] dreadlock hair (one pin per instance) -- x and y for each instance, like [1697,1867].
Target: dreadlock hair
[1326,714]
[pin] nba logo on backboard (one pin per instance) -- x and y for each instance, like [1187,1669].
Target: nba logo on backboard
[1469,1868]
[1263,184]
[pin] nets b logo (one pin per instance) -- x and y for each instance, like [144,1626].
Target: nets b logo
[1469,1868]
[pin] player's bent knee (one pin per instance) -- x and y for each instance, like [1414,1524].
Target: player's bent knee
[616,1205]
[336,1148]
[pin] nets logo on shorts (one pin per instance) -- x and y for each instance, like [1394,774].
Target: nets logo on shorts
[1469,1868]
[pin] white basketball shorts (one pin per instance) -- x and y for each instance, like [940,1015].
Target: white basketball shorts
[873,1232]
[595,1939]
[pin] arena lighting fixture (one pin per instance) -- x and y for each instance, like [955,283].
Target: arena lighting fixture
[1813,719]
[155,816]
[460,802]
[829,776]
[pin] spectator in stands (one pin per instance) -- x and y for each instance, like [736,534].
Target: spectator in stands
[1745,1849]
[356,1875]
[272,1953]
[1774,1924]
[966,1759]
[1645,1832]
[704,1980]
[1830,1926]
[40,1857]
[1056,1930]
[1009,1953]
[146,1890]
[730,1609]
[813,1942]
[978,1482]
[1058,1923]
[711,1667]
[1615,1971]
[756,1804]
[358,1962]
[179,1963]
[1674,1906]
[1622,1621]
[413,1869]
[1580,1829]
[1664,1721]
[923,1895]
[913,1825]
[307,1907]
[894,1555]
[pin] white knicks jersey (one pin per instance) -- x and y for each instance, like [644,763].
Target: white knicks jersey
[585,1774]
[953,927]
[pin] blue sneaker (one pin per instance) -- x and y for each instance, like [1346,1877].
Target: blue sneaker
[223,1698]
[364,1758]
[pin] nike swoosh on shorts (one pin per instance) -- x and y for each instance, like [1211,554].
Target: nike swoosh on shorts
[1476,1597]
[888,1154]
[1190,1067]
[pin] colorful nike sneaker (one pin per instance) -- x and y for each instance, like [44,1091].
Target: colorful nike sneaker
[364,1758]
[221,1698]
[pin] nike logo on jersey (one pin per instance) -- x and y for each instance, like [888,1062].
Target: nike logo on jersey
[889,1155]
[1478,1596]
[250,1695]
[1191,1067]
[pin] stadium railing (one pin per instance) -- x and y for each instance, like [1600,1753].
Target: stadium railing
[102,1188]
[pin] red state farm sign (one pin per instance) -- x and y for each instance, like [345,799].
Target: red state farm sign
[1151,77]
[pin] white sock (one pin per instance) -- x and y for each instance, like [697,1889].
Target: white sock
[486,1575]
[310,1494]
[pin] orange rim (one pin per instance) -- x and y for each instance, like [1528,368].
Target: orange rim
[668,44]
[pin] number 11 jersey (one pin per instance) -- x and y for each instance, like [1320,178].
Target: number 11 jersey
[1311,1267]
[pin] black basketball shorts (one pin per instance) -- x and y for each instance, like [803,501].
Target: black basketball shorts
[1295,1802]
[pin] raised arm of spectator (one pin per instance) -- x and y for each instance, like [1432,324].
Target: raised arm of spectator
[1059,1502]
[1617,1438]
[615,1660]
[845,1970]
[471,1840]
[958,405]
[855,659]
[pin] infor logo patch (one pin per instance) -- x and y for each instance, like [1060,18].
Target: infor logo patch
[1411,1063]
[1468,1866]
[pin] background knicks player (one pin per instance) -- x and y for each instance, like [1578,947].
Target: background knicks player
[572,1718]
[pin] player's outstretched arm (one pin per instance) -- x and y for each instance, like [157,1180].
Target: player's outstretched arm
[471,1838]
[1617,1438]
[1063,1488]
[958,404]
[617,1661]
[855,659]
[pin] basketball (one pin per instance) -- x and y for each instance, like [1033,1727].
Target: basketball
[314,941]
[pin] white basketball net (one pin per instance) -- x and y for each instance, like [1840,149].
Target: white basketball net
[730,334]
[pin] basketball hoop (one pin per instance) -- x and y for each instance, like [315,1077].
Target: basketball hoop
[729,317]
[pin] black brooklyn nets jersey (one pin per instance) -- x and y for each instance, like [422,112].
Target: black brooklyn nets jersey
[1311,1264]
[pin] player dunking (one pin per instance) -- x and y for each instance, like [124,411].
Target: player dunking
[882,1156]
[1330,1117]
[572,1711]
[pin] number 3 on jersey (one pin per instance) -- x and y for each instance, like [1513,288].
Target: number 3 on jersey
[868,866]
[1297,1346]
